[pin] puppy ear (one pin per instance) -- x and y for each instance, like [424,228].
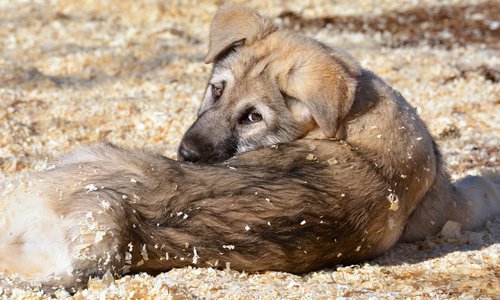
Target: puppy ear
[325,85]
[234,24]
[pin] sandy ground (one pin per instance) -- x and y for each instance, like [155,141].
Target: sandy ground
[131,72]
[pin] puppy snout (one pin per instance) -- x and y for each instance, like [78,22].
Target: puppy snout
[188,154]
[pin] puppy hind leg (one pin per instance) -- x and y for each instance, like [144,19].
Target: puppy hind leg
[32,241]
[99,240]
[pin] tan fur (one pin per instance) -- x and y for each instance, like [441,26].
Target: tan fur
[230,26]
[306,86]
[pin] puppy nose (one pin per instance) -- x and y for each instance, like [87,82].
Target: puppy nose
[188,154]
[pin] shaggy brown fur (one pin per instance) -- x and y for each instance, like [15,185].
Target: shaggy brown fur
[284,207]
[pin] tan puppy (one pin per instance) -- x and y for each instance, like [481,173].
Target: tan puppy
[273,86]
[292,207]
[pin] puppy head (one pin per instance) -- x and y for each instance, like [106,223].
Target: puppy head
[267,87]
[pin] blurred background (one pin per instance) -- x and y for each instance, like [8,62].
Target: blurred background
[132,72]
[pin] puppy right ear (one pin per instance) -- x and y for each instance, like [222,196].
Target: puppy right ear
[233,25]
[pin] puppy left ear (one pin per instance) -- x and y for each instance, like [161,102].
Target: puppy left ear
[326,86]
[235,24]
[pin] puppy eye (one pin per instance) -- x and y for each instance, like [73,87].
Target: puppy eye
[252,116]
[217,90]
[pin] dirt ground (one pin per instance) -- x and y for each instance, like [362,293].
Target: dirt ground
[129,72]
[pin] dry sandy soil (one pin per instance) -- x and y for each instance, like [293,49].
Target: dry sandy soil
[131,72]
